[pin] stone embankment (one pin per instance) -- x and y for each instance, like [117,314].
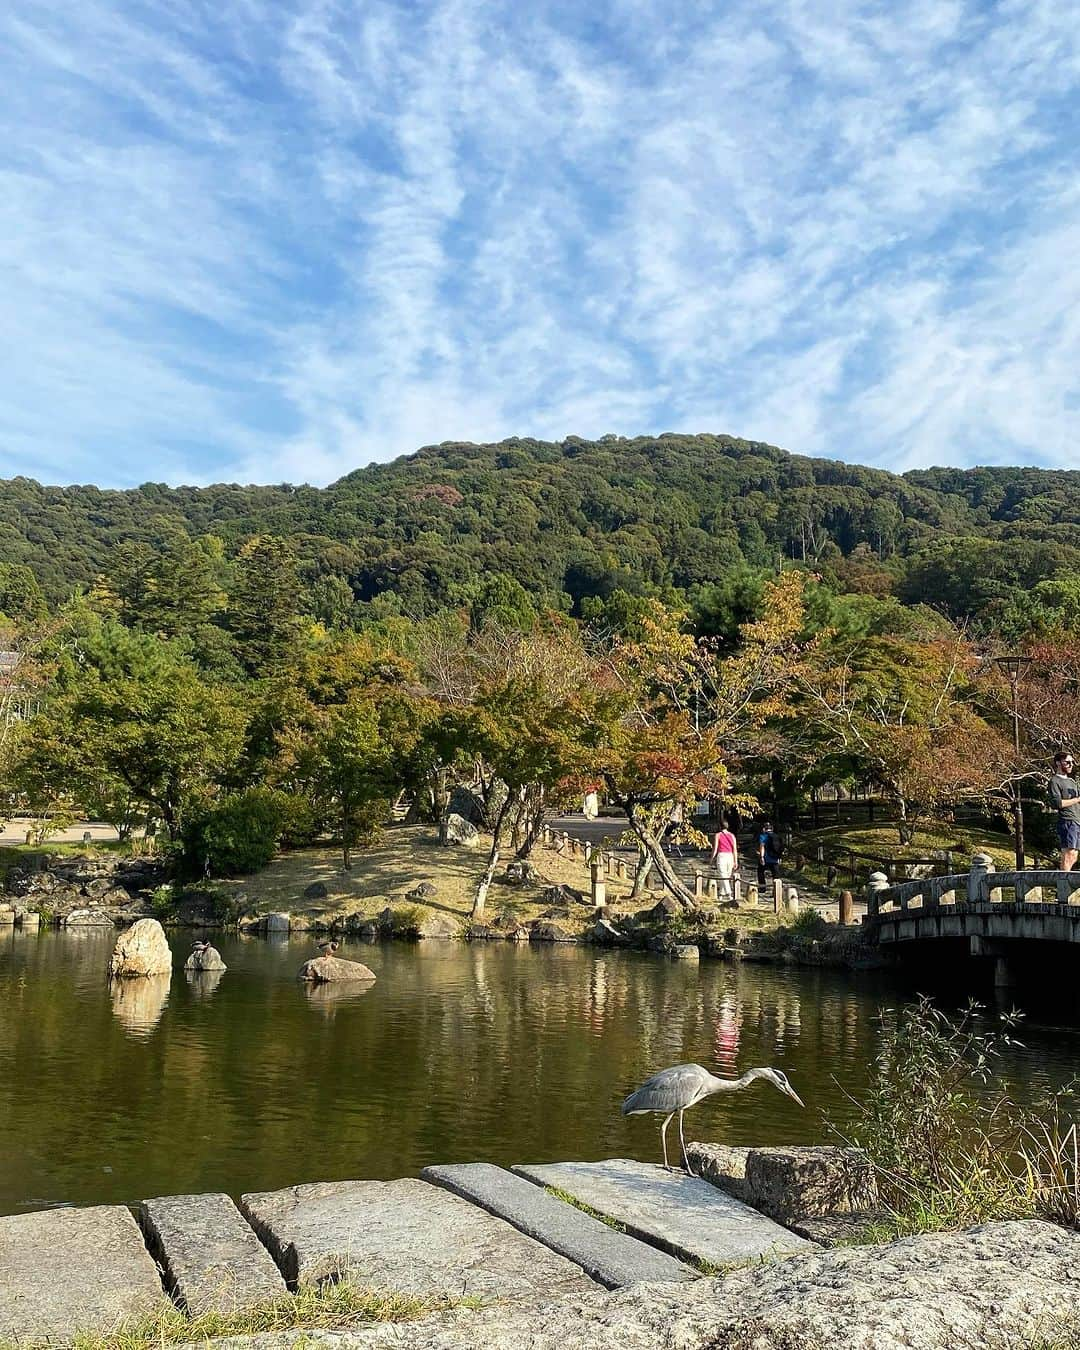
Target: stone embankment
[678,1262]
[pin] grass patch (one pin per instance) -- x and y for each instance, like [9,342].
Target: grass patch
[337,1306]
[560,1194]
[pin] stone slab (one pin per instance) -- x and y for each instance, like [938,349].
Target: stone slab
[614,1259]
[212,1260]
[810,1182]
[684,1215]
[69,1270]
[407,1236]
[1006,1284]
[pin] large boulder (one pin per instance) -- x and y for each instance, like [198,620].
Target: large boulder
[277,923]
[605,934]
[460,832]
[316,891]
[333,970]
[436,925]
[141,951]
[464,802]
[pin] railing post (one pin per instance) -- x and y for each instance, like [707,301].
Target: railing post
[847,907]
[713,892]
[876,883]
[778,895]
[978,886]
[751,895]
[620,869]
[599,886]
[791,900]
[699,886]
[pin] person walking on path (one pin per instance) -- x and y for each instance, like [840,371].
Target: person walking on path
[725,858]
[1065,798]
[768,852]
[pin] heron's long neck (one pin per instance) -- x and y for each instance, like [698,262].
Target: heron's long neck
[734,1084]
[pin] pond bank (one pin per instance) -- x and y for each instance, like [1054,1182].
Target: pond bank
[613,1253]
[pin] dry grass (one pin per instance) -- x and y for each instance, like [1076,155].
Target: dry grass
[403,856]
[337,1306]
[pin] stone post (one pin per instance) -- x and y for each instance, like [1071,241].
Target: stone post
[978,886]
[876,883]
[599,885]
[699,886]
[620,869]
[778,895]
[713,891]
[791,900]
[751,895]
[547,836]
[847,907]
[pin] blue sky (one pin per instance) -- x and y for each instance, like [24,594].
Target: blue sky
[273,240]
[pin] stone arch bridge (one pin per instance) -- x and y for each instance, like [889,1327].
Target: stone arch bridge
[996,913]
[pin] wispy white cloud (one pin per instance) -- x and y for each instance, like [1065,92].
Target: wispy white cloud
[282,238]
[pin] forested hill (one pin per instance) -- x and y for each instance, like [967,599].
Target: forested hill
[584,519]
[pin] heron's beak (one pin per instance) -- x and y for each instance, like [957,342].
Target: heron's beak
[792,1093]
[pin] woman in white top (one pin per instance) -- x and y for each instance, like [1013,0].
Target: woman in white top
[725,857]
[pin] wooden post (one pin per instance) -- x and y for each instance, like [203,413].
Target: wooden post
[588,852]
[713,892]
[751,895]
[699,885]
[620,868]
[791,900]
[599,886]
[778,895]
[847,907]
[547,836]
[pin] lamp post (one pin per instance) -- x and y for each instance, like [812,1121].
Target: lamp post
[1013,666]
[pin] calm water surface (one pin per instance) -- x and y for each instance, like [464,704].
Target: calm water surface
[457,1053]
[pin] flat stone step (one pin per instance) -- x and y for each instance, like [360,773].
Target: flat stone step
[683,1215]
[614,1259]
[213,1261]
[69,1270]
[407,1236]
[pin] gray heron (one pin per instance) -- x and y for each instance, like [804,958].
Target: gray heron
[672,1091]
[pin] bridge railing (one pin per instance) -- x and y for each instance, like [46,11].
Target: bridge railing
[982,885]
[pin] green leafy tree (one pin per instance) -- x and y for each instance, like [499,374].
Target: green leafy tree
[264,604]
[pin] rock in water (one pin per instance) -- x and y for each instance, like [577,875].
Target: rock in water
[142,950]
[327,969]
[207,959]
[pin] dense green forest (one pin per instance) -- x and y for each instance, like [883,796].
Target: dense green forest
[669,618]
[579,521]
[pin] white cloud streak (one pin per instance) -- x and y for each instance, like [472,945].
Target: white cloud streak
[283,239]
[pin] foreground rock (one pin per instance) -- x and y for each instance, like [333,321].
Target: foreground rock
[212,1260]
[406,1236]
[682,1215]
[142,951]
[610,1257]
[1001,1286]
[69,1270]
[810,1182]
[334,970]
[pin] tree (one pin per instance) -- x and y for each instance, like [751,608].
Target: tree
[264,607]
[128,719]
[903,712]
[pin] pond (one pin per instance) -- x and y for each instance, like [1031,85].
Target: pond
[457,1053]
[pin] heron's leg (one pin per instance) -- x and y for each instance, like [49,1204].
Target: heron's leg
[682,1144]
[663,1140]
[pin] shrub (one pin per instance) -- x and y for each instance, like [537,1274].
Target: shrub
[237,834]
[808,923]
[950,1144]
